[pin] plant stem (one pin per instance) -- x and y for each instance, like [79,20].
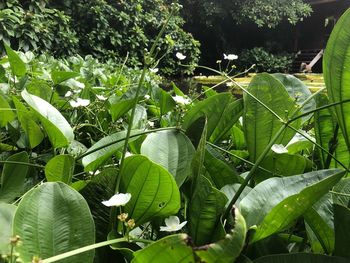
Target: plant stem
[82,250]
[120,140]
[22,163]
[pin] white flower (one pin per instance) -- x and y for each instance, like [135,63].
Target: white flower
[229,84]
[230,56]
[118,200]
[68,94]
[154,70]
[279,148]
[181,100]
[180,56]
[128,154]
[151,124]
[147,97]
[172,224]
[101,97]
[79,103]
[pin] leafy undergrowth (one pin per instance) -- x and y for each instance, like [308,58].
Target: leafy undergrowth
[100,164]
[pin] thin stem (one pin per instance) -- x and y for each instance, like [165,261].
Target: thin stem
[120,140]
[318,109]
[22,163]
[82,250]
[342,194]
[238,157]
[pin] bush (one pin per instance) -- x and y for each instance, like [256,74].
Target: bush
[106,29]
[265,61]
[29,25]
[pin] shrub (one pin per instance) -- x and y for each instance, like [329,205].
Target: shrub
[265,61]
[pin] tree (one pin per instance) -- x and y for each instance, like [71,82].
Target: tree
[261,12]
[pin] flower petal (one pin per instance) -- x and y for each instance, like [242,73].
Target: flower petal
[118,200]
[279,148]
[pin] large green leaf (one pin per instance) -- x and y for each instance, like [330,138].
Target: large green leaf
[172,150]
[6,114]
[153,190]
[164,100]
[18,67]
[298,91]
[300,258]
[276,202]
[336,61]
[221,110]
[342,231]
[329,136]
[7,212]
[260,125]
[56,126]
[52,219]
[13,177]
[174,249]
[60,168]
[206,207]
[229,248]
[292,205]
[30,127]
[112,144]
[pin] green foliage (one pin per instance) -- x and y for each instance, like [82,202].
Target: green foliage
[264,61]
[168,177]
[108,30]
[262,13]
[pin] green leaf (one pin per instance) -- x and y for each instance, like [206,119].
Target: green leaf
[112,144]
[172,150]
[342,231]
[288,204]
[153,190]
[298,91]
[230,191]
[13,177]
[30,127]
[52,219]
[119,107]
[7,212]
[206,208]
[221,110]
[18,67]
[260,125]
[341,195]
[60,76]
[6,114]
[300,258]
[336,61]
[165,101]
[56,126]
[329,136]
[174,248]
[229,248]
[319,218]
[284,164]
[220,172]
[60,168]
